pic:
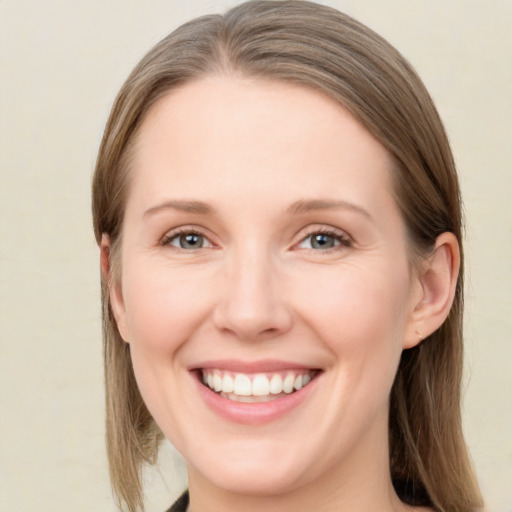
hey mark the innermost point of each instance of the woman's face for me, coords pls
(263, 252)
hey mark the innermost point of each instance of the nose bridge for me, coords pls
(252, 303)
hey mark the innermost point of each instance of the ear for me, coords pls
(113, 283)
(433, 297)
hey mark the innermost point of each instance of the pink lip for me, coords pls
(262, 366)
(254, 413)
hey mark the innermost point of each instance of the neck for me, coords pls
(327, 498)
(359, 483)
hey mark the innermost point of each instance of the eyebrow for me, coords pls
(296, 208)
(184, 206)
(305, 206)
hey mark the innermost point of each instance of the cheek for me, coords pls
(361, 320)
(164, 306)
(360, 315)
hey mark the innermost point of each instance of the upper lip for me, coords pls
(260, 366)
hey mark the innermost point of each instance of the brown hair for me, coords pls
(320, 48)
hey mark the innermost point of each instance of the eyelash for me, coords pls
(339, 236)
(168, 238)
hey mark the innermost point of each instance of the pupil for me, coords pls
(191, 241)
(322, 241)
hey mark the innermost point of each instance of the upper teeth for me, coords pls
(260, 384)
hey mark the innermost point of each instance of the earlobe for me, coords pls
(437, 284)
(113, 283)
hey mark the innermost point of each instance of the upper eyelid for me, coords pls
(322, 229)
(175, 232)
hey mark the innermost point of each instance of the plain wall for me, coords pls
(61, 64)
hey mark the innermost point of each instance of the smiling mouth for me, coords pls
(257, 387)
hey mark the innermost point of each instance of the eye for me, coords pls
(324, 240)
(187, 240)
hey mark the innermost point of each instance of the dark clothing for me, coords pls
(181, 504)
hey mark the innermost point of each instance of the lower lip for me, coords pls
(254, 413)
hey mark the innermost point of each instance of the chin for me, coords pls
(256, 480)
(255, 467)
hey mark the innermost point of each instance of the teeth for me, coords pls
(228, 384)
(242, 387)
(217, 382)
(260, 386)
(276, 384)
(248, 399)
(288, 383)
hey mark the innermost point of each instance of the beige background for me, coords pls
(61, 63)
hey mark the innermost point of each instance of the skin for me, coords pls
(251, 150)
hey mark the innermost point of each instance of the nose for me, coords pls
(252, 303)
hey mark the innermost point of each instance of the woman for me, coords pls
(280, 229)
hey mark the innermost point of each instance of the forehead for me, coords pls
(223, 137)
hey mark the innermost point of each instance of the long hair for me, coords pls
(320, 48)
